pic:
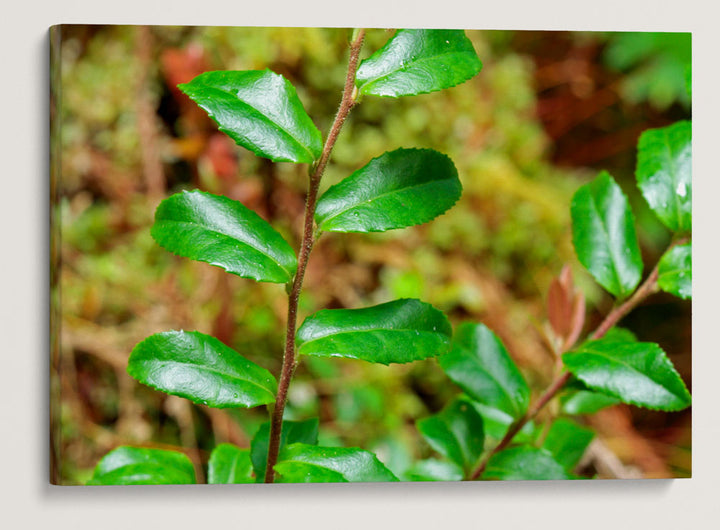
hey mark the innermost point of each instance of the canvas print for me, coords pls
(301, 255)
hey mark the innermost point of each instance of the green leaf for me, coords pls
(202, 369)
(577, 398)
(224, 233)
(567, 442)
(395, 332)
(664, 174)
(497, 422)
(638, 373)
(230, 465)
(418, 61)
(135, 465)
(653, 66)
(400, 188)
(604, 235)
(524, 463)
(480, 365)
(675, 271)
(304, 473)
(292, 432)
(456, 433)
(331, 464)
(434, 470)
(260, 110)
(576, 402)
(619, 334)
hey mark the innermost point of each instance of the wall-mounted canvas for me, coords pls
(308, 255)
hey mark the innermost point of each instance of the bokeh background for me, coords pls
(545, 114)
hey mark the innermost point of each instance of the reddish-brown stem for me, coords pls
(515, 428)
(308, 240)
(648, 287)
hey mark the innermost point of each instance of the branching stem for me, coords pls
(648, 287)
(308, 240)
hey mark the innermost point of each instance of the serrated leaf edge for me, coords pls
(622, 292)
(133, 373)
(290, 272)
(252, 147)
(455, 179)
(645, 156)
(362, 90)
(517, 412)
(674, 272)
(666, 362)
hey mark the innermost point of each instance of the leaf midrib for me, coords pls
(618, 282)
(267, 118)
(516, 411)
(615, 360)
(673, 170)
(334, 334)
(385, 194)
(464, 446)
(201, 368)
(313, 464)
(676, 272)
(272, 258)
(455, 440)
(233, 465)
(413, 64)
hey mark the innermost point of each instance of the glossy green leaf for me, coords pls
(567, 442)
(524, 463)
(329, 464)
(434, 470)
(480, 365)
(418, 61)
(497, 422)
(618, 334)
(456, 433)
(576, 402)
(202, 369)
(664, 173)
(230, 465)
(222, 232)
(304, 473)
(400, 188)
(577, 398)
(305, 432)
(135, 465)
(260, 110)
(638, 373)
(675, 271)
(604, 235)
(395, 332)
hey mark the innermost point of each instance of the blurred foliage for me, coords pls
(656, 65)
(490, 258)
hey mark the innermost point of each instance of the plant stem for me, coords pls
(515, 427)
(648, 287)
(308, 240)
